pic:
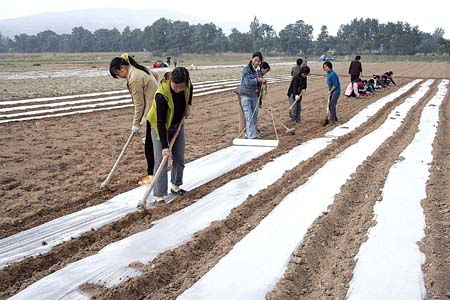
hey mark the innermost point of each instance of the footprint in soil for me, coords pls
(6, 180)
(11, 186)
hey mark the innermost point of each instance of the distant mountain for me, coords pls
(92, 19)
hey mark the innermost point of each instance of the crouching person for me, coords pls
(172, 103)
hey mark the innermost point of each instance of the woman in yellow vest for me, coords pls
(142, 85)
(172, 103)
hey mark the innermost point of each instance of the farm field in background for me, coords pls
(53, 167)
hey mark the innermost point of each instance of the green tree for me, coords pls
(240, 42)
(4, 44)
(48, 41)
(207, 38)
(179, 38)
(155, 37)
(323, 41)
(106, 40)
(296, 38)
(81, 40)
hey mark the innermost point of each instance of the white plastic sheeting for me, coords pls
(111, 265)
(258, 261)
(74, 108)
(30, 242)
(103, 72)
(389, 263)
(62, 103)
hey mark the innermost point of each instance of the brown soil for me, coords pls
(174, 271)
(436, 244)
(54, 167)
(322, 267)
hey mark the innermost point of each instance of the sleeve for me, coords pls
(137, 94)
(191, 93)
(155, 75)
(355, 89)
(306, 83)
(360, 67)
(161, 114)
(249, 78)
(350, 68)
(295, 85)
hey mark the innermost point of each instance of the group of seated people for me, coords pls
(359, 87)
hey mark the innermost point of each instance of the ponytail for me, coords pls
(124, 60)
(138, 66)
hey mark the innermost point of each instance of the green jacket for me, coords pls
(164, 90)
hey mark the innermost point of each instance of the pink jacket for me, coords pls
(350, 88)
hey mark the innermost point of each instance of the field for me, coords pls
(53, 167)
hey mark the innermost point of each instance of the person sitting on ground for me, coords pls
(142, 84)
(172, 103)
(379, 83)
(352, 90)
(384, 79)
(389, 78)
(249, 91)
(296, 91)
(355, 69)
(369, 86)
(361, 87)
(296, 69)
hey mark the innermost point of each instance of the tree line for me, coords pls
(364, 36)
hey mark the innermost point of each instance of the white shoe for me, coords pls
(159, 199)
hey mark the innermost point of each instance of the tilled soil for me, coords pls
(174, 271)
(46, 87)
(322, 267)
(54, 167)
(436, 244)
(67, 191)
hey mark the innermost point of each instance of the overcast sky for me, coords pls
(427, 14)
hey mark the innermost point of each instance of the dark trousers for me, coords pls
(149, 155)
(332, 101)
(353, 77)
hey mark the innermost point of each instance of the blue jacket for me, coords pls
(333, 80)
(249, 82)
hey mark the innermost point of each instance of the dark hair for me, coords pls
(304, 70)
(265, 65)
(299, 61)
(371, 81)
(357, 80)
(257, 53)
(390, 73)
(328, 64)
(117, 62)
(180, 75)
(357, 57)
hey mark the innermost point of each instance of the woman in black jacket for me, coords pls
(296, 90)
